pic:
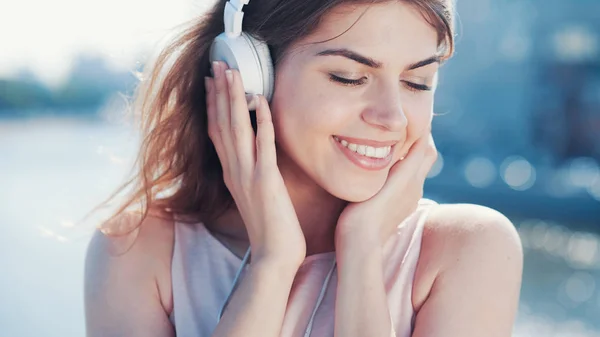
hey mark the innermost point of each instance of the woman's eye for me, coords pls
(416, 87)
(347, 81)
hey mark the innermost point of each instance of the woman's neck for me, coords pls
(318, 212)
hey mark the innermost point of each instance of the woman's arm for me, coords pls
(258, 306)
(476, 291)
(251, 174)
(361, 301)
(127, 284)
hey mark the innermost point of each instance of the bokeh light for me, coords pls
(594, 189)
(480, 172)
(575, 43)
(518, 173)
(583, 172)
(580, 287)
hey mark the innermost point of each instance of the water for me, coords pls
(53, 171)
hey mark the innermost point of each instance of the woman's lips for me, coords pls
(364, 162)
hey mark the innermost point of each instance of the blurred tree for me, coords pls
(90, 83)
(24, 94)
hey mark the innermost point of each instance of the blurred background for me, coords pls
(518, 130)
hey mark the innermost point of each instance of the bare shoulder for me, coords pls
(128, 235)
(127, 276)
(459, 230)
(472, 255)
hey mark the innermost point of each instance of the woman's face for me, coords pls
(366, 87)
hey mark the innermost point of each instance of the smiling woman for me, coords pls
(289, 202)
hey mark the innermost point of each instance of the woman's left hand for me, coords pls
(373, 220)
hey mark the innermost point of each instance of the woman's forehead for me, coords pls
(385, 31)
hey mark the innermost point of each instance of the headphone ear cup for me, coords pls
(265, 63)
(250, 57)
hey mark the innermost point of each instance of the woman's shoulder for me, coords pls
(464, 236)
(465, 225)
(466, 221)
(134, 251)
(131, 232)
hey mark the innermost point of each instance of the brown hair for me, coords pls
(177, 170)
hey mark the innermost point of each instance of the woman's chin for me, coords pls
(355, 192)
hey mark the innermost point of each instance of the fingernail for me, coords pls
(229, 76)
(250, 101)
(256, 102)
(215, 66)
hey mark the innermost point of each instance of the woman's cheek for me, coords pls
(421, 112)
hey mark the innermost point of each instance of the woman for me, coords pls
(324, 183)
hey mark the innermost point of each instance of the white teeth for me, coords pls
(368, 151)
(362, 149)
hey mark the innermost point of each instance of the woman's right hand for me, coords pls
(250, 169)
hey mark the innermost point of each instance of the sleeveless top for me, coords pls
(203, 271)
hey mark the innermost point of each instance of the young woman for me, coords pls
(303, 216)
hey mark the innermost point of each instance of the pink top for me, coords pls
(203, 271)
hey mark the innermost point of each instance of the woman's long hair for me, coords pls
(177, 171)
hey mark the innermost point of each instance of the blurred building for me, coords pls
(525, 81)
(568, 51)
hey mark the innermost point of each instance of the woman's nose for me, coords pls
(386, 112)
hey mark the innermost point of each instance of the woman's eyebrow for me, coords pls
(352, 55)
(430, 60)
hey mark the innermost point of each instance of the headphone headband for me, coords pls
(233, 16)
(243, 52)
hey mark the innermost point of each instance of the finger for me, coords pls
(431, 156)
(265, 134)
(222, 113)
(242, 133)
(413, 160)
(251, 102)
(403, 172)
(211, 112)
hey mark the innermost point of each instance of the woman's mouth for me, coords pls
(375, 156)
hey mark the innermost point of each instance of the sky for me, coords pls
(43, 35)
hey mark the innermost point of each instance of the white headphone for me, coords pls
(241, 51)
